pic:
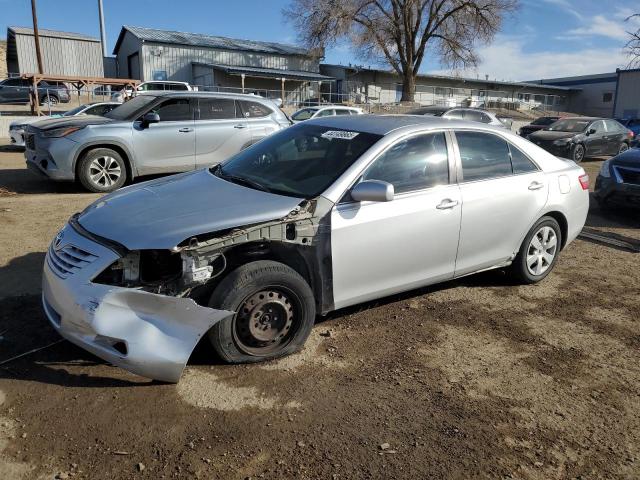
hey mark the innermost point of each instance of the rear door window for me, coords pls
(520, 162)
(413, 164)
(217, 108)
(484, 156)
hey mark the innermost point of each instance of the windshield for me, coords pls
(569, 125)
(301, 161)
(544, 121)
(304, 114)
(74, 111)
(132, 109)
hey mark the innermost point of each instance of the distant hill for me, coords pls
(3, 59)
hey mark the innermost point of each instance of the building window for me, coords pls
(607, 97)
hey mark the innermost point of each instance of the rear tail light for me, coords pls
(630, 134)
(584, 181)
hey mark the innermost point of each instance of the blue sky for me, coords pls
(545, 38)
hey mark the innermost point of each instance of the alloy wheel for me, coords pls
(542, 250)
(578, 154)
(104, 171)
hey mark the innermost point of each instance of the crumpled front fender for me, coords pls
(145, 333)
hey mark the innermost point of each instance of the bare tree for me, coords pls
(399, 32)
(633, 45)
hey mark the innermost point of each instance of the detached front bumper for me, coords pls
(147, 334)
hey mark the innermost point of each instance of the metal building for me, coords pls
(63, 53)
(218, 63)
(627, 100)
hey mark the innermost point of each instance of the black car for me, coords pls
(580, 137)
(16, 91)
(619, 180)
(539, 123)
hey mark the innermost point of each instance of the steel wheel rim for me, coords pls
(104, 171)
(266, 321)
(579, 152)
(542, 251)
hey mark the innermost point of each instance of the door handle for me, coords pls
(240, 126)
(536, 186)
(446, 204)
(186, 129)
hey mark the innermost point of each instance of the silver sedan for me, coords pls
(323, 215)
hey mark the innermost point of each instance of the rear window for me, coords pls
(254, 109)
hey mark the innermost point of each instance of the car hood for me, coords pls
(79, 121)
(29, 121)
(162, 213)
(549, 135)
(535, 128)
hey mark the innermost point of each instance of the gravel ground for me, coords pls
(475, 378)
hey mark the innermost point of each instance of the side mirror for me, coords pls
(591, 131)
(372, 191)
(150, 118)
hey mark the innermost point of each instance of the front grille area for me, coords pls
(30, 141)
(68, 260)
(629, 175)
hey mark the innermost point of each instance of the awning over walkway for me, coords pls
(259, 72)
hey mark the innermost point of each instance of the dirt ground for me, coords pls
(476, 378)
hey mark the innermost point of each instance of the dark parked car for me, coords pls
(580, 137)
(16, 90)
(632, 124)
(619, 180)
(539, 123)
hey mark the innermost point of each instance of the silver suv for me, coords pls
(150, 134)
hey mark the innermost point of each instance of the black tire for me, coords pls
(52, 100)
(624, 146)
(519, 268)
(113, 177)
(577, 154)
(262, 328)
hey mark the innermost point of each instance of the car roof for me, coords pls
(384, 124)
(190, 94)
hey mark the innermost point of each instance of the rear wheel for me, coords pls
(623, 147)
(50, 100)
(539, 251)
(578, 153)
(274, 313)
(102, 170)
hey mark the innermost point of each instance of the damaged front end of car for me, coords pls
(145, 310)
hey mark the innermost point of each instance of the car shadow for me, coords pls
(611, 217)
(23, 181)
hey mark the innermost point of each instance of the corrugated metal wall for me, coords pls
(176, 61)
(60, 56)
(628, 99)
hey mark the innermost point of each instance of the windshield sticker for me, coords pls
(341, 134)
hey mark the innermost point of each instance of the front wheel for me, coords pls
(578, 153)
(274, 313)
(539, 251)
(49, 101)
(102, 170)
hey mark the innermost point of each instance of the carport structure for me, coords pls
(78, 82)
(264, 79)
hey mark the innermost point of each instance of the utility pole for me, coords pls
(36, 35)
(103, 35)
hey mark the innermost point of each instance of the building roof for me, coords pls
(463, 79)
(268, 72)
(210, 41)
(51, 33)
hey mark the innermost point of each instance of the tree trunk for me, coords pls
(408, 87)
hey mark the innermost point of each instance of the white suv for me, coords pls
(153, 86)
(324, 111)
